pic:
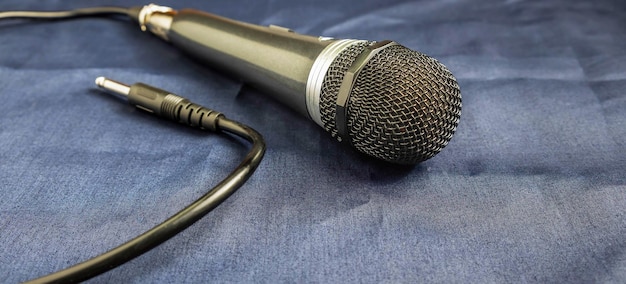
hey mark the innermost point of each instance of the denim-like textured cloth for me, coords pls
(532, 188)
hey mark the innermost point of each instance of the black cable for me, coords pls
(179, 109)
(84, 12)
(175, 224)
(173, 107)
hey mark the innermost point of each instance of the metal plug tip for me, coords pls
(100, 81)
(113, 86)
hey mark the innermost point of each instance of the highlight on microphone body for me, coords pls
(384, 99)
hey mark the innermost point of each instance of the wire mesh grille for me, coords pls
(404, 106)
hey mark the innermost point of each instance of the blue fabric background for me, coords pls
(532, 188)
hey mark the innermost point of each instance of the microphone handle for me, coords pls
(272, 59)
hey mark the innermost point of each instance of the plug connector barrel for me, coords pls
(113, 86)
(163, 103)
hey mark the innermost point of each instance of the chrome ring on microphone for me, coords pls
(318, 73)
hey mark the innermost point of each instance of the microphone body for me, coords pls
(382, 98)
(272, 59)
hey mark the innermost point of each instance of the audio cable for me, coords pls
(176, 108)
(170, 106)
(179, 109)
(133, 13)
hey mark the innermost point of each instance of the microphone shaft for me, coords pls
(273, 59)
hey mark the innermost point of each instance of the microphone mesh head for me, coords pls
(404, 106)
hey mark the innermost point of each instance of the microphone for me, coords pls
(384, 99)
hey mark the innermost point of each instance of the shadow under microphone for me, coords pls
(384, 99)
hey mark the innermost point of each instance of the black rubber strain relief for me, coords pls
(197, 115)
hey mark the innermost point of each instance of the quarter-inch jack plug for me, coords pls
(163, 103)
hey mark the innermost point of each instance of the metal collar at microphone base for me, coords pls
(318, 74)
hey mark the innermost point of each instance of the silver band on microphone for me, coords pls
(318, 73)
